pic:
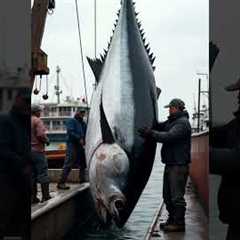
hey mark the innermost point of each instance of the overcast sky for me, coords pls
(176, 30)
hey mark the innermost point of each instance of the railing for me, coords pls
(57, 114)
(58, 128)
(200, 165)
(67, 113)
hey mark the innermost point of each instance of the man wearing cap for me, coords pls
(39, 161)
(15, 168)
(76, 132)
(225, 161)
(175, 136)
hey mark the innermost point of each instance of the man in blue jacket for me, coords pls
(76, 132)
(175, 135)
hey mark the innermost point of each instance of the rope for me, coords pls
(95, 28)
(40, 84)
(47, 84)
(81, 50)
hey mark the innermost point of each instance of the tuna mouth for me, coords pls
(102, 210)
(112, 211)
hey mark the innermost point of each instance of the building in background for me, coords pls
(203, 120)
(10, 82)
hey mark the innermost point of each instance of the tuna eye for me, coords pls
(119, 204)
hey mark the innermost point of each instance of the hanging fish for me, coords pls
(125, 99)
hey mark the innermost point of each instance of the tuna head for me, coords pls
(108, 174)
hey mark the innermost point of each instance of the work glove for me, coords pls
(82, 142)
(145, 132)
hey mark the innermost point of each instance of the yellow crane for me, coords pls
(40, 9)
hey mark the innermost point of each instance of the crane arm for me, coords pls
(39, 58)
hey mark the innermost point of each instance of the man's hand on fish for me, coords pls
(145, 132)
(82, 142)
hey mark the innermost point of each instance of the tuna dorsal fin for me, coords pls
(96, 66)
(142, 33)
(106, 130)
(158, 91)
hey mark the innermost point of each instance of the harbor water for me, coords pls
(142, 216)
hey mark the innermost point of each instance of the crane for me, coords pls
(40, 9)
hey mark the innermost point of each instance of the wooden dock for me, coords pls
(196, 221)
(53, 219)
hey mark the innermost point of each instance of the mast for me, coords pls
(57, 87)
(199, 102)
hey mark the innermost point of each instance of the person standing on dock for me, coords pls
(39, 161)
(175, 135)
(76, 132)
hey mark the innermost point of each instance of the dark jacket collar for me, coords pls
(178, 115)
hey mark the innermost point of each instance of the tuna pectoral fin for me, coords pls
(96, 66)
(158, 92)
(105, 128)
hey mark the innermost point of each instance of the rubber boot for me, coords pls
(174, 228)
(34, 198)
(170, 218)
(178, 224)
(61, 184)
(179, 215)
(164, 224)
(45, 192)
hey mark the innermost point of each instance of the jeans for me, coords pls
(174, 184)
(74, 155)
(39, 168)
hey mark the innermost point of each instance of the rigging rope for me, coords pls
(95, 28)
(81, 50)
(37, 88)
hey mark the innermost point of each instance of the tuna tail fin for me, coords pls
(96, 66)
(158, 92)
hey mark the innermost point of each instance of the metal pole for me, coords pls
(81, 51)
(199, 102)
(57, 86)
(210, 104)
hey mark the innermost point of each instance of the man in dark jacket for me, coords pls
(225, 161)
(175, 134)
(15, 172)
(76, 132)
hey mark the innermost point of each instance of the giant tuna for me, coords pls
(125, 99)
